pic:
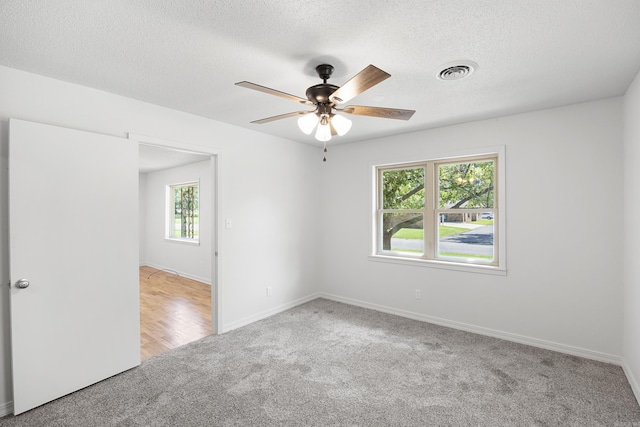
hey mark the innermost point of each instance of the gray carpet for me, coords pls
(331, 364)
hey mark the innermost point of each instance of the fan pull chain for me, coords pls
(324, 159)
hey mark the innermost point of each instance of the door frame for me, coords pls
(216, 294)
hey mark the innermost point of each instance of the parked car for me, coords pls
(486, 215)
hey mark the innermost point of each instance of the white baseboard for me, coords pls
(6, 408)
(534, 342)
(267, 313)
(180, 273)
(633, 381)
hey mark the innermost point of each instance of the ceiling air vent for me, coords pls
(456, 70)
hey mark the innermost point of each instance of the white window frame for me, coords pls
(431, 213)
(170, 214)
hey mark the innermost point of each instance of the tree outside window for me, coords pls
(184, 211)
(441, 210)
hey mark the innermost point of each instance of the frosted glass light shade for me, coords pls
(307, 123)
(324, 132)
(341, 124)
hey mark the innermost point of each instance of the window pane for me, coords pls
(403, 232)
(466, 185)
(185, 213)
(403, 189)
(467, 240)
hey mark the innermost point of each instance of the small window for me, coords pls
(183, 212)
(443, 211)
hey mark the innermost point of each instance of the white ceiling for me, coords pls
(153, 158)
(187, 54)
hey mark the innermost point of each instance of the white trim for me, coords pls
(172, 144)
(534, 342)
(6, 408)
(445, 265)
(190, 242)
(268, 313)
(633, 381)
(180, 273)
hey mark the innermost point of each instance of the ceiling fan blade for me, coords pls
(270, 91)
(385, 113)
(362, 81)
(282, 116)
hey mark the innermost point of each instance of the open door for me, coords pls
(73, 230)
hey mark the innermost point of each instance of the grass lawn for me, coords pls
(415, 233)
(453, 254)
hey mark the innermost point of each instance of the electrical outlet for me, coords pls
(268, 291)
(418, 294)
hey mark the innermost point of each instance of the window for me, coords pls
(444, 211)
(183, 216)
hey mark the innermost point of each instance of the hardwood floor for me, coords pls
(174, 311)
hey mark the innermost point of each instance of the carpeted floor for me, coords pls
(331, 364)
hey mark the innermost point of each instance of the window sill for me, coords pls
(189, 242)
(445, 265)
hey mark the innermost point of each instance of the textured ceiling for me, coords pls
(187, 54)
(153, 158)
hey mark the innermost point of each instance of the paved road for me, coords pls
(476, 241)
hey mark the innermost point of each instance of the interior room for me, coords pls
(294, 236)
(175, 271)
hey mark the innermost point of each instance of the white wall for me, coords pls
(192, 261)
(632, 235)
(263, 187)
(563, 287)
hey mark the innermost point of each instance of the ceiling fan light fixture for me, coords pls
(323, 133)
(341, 124)
(307, 123)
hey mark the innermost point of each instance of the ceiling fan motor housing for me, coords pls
(319, 94)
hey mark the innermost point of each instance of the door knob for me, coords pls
(22, 284)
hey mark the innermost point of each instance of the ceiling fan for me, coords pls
(326, 97)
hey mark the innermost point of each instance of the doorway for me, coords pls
(178, 286)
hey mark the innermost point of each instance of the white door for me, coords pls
(73, 231)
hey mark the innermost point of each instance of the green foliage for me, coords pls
(410, 233)
(445, 230)
(466, 185)
(418, 233)
(186, 209)
(403, 189)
